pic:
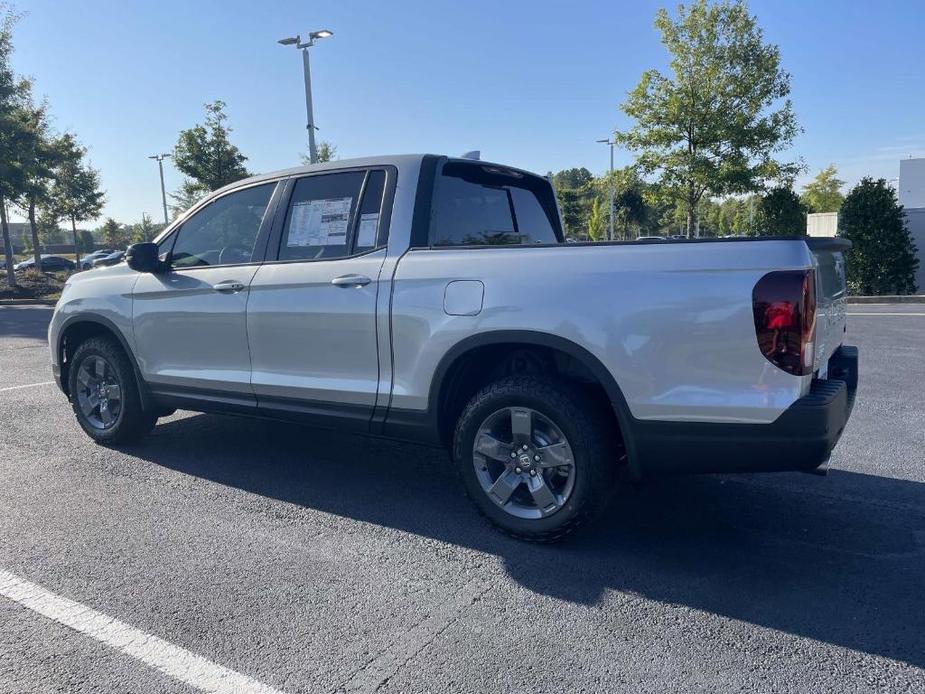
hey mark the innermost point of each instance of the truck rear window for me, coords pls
(486, 205)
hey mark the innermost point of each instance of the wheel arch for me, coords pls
(442, 382)
(78, 329)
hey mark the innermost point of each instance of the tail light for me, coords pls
(784, 304)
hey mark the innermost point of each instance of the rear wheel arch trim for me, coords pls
(539, 339)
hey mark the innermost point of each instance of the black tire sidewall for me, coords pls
(561, 404)
(129, 421)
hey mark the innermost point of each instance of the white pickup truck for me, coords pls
(431, 298)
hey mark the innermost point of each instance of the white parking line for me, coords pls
(884, 313)
(28, 385)
(161, 655)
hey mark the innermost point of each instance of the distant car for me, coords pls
(650, 238)
(86, 261)
(110, 259)
(50, 263)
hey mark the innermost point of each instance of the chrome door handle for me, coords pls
(350, 281)
(229, 286)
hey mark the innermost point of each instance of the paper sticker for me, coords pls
(366, 236)
(319, 222)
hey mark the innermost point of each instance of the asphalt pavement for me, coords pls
(227, 554)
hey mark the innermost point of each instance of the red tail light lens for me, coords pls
(784, 304)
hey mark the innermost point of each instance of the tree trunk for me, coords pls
(76, 247)
(7, 247)
(36, 245)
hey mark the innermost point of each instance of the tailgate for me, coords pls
(831, 295)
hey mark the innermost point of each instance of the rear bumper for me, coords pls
(802, 438)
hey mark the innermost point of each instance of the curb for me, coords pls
(894, 299)
(28, 302)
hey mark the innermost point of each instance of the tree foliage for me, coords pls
(782, 213)
(882, 259)
(206, 155)
(716, 122)
(823, 193)
(325, 151)
(113, 234)
(75, 194)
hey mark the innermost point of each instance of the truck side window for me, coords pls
(319, 221)
(482, 204)
(368, 227)
(223, 232)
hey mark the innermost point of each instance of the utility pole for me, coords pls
(160, 165)
(610, 142)
(306, 69)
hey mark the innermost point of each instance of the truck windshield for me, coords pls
(482, 204)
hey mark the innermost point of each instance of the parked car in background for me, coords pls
(651, 238)
(107, 260)
(86, 261)
(50, 263)
(435, 299)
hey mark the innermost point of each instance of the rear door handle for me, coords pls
(228, 286)
(350, 281)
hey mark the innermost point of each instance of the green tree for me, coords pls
(75, 194)
(15, 94)
(145, 230)
(597, 220)
(188, 194)
(574, 179)
(573, 211)
(882, 259)
(206, 155)
(782, 213)
(823, 193)
(85, 241)
(113, 234)
(325, 151)
(39, 156)
(715, 123)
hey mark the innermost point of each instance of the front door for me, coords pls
(190, 321)
(311, 316)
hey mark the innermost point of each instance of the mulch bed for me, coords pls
(33, 285)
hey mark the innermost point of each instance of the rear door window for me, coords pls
(476, 204)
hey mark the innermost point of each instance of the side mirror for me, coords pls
(142, 257)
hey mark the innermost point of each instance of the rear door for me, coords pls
(311, 316)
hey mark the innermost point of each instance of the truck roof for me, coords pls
(399, 160)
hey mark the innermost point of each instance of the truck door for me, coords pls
(311, 314)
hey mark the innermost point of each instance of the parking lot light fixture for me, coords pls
(297, 42)
(160, 165)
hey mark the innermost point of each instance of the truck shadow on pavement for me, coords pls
(837, 559)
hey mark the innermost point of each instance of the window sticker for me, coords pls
(319, 222)
(366, 235)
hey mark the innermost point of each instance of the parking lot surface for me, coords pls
(281, 558)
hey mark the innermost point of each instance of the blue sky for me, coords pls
(532, 84)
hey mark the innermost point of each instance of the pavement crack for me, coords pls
(376, 673)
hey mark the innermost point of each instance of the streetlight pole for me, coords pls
(610, 142)
(160, 165)
(306, 69)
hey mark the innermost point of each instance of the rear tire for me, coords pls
(508, 446)
(104, 393)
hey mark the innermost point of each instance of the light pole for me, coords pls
(610, 142)
(297, 42)
(160, 165)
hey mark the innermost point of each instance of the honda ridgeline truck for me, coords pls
(434, 299)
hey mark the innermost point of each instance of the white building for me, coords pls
(822, 224)
(911, 191)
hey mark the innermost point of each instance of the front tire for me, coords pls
(104, 393)
(536, 456)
